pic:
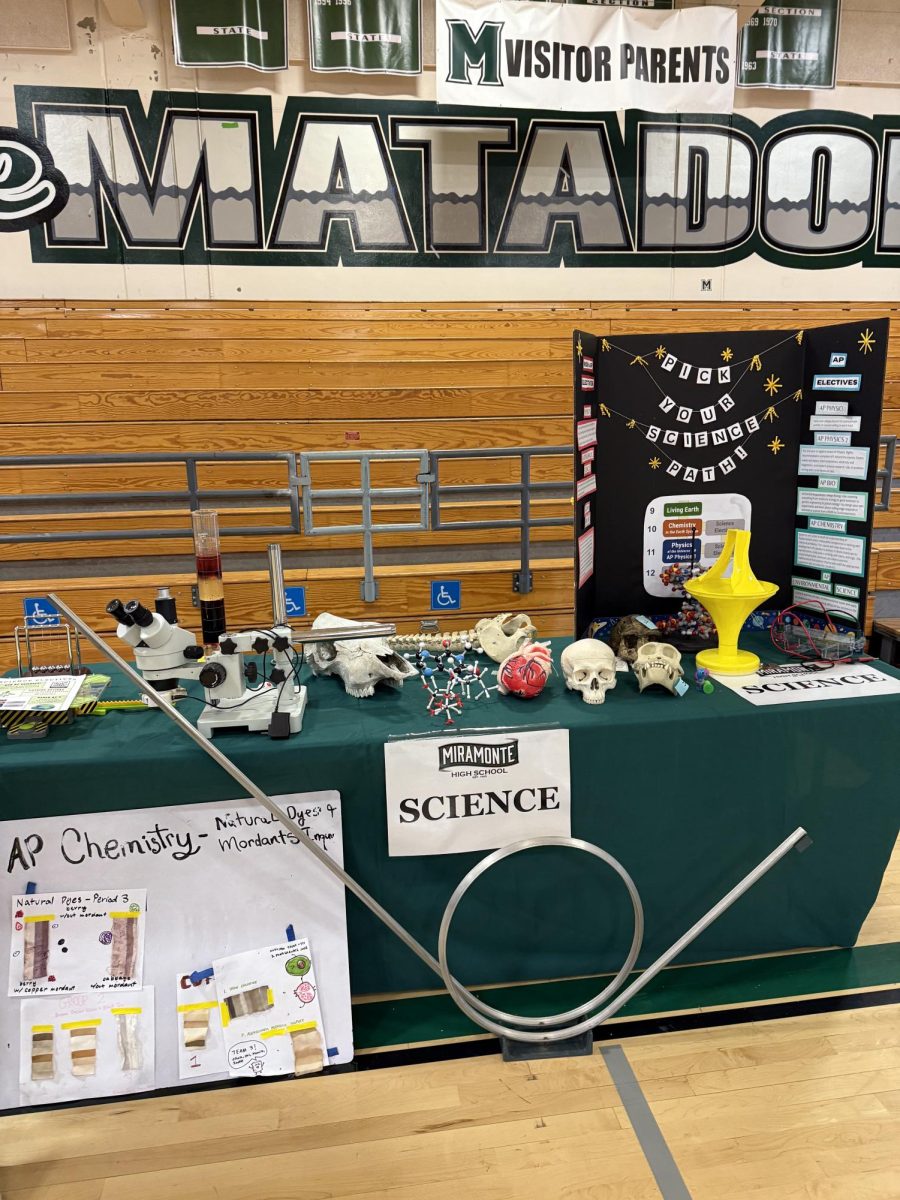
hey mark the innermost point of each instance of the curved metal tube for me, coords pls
(549, 1028)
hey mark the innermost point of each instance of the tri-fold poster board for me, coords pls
(154, 949)
(679, 437)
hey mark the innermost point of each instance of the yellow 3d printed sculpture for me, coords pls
(730, 601)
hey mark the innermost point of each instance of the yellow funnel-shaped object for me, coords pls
(730, 602)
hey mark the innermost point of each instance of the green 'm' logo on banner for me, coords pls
(479, 52)
(231, 33)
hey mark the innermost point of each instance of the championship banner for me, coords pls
(371, 37)
(231, 33)
(790, 45)
(581, 58)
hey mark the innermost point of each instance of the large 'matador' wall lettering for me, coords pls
(206, 178)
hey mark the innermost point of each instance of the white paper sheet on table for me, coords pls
(842, 682)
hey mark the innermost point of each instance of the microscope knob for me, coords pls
(227, 646)
(193, 652)
(212, 675)
(251, 672)
(260, 645)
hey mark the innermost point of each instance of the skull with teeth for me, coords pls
(590, 668)
(360, 663)
(658, 663)
(628, 635)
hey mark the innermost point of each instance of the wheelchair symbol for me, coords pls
(445, 593)
(36, 615)
(295, 601)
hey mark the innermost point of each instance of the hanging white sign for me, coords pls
(581, 58)
(446, 795)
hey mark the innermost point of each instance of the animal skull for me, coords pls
(658, 662)
(628, 635)
(503, 635)
(360, 663)
(590, 668)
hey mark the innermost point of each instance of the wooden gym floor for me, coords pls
(796, 1108)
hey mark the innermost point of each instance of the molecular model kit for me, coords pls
(450, 678)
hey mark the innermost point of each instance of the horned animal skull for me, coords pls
(503, 635)
(360, 663)
(660, 663)
(590, 668)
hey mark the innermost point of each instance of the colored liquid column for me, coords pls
(208, 560)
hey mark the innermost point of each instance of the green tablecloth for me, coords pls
(688, 794)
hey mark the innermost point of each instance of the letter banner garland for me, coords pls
(679, 439)
(584, 58)
(231, 33)
(373, 37)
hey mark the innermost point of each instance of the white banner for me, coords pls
(447, 795)
(842, 682)
(580, 58)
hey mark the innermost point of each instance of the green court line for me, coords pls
(383, 1023)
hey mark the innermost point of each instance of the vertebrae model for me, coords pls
(455, 643)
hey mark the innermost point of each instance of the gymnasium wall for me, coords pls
(176, 355)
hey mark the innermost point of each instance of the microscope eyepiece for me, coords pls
(116, 609)
(140, 616)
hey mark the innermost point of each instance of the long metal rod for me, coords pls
(249, 786)
(276, 580)
(464, 998)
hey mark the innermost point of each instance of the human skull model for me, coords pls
(360, 663)
(590, 668)
(503, 635)
(658, 662)
(628, 635)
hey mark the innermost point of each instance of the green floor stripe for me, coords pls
(430, 1018)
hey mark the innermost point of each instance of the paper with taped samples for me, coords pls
(269, 1009)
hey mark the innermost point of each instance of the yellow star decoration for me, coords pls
(660, 352)
(772, 385)
(655, 463)
(639, 359)
(604, 345)
(770, 414)
(578, 347)
(798, 395)
(755, 363)
(799, 336)
(727, 354)
(866, 341)
(776, 444)
(604, 411)
(630, 424)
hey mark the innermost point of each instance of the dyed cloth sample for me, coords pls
(124, 947)
(195, 1028)
(83, 1049)
(37, 949)
(307, 1051)
(127, 1038)
(254, 1001)
(42, 1054)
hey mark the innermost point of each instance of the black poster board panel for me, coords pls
(696, 433)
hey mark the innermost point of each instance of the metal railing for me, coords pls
(192, 494)
(302, 496)
(885, 483)
(523, 490)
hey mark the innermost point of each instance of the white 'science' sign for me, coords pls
(446, 795)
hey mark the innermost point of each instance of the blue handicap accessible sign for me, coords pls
(446, 593)
(295, 601)
(39, 612)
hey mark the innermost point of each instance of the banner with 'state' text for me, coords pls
(231, 33)
(583, 58)
(369, 37)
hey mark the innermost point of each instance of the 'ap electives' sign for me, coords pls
(580, 58)
(449, 794)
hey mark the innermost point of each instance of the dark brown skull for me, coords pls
(628, 635)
